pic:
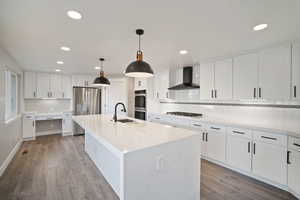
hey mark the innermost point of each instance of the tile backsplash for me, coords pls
(47, 105)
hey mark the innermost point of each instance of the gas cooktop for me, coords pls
(186, 114)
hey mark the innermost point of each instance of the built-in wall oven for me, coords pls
(140, 104)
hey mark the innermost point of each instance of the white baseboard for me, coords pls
(10, 157)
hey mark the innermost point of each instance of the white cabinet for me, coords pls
(140, 83)
(56, 90)
(67, 124)
(161, 85)
(294, 171)
(223, 79)
(28, 127)
(239, 154)
(207, 79)
(269, 161)
(275, 73)
(83, 80)
(296, 71)
(67, 87)
(245, 76)
(43, 85)
(30, 85)
(215, 143)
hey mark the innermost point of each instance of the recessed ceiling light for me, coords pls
(260, 27)
(60, 62)
(74, 14)
(97, 68)
(64, 48)
(182, 52)
(57, 70)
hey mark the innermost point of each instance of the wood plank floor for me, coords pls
(57, 168)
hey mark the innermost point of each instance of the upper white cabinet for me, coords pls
(207, 79)
(223, 79)
(82, 80)
(245, 76)
(296, 71)
(43, 85)
(140, 83)
(30, 85)
(275, 73)
(161, 85)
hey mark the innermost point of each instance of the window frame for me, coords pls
(9, 115)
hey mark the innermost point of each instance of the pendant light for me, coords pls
(139, 68)
(101, 80)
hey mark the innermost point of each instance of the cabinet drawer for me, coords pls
(270, 138)
(197, 125)
(294, 143)
(216, 128)
(245, 133)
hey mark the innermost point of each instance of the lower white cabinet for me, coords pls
(67, 124)
(239, 152)
(269, 161)
(294, 171)
(215, 147)
(28, 127)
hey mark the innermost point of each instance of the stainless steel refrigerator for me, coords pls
(86, 101)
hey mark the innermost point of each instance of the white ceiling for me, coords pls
(33, 31)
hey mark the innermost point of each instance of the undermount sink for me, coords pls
(125, 120)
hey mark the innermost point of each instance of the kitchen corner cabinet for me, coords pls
(296, 71)
(275, 73)
(245, 76)
(30, 85)
(223, 79)
(207, 79)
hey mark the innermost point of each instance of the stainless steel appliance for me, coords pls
(86, 101)
(140, 104)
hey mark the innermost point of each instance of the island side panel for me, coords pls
(167, 171)
(106, 161)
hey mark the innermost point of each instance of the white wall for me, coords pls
(10, 133)
(268, 117)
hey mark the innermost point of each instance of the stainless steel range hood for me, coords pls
(187, 80)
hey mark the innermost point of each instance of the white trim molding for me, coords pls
(10, 157)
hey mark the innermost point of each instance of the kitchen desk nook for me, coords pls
(144, 160)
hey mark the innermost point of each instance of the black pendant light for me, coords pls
(101, 80)
(139, 68)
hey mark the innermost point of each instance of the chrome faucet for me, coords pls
(123, 110)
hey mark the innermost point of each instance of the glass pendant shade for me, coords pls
(139, 68)
(101, 80)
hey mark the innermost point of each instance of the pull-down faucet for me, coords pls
(116, 108)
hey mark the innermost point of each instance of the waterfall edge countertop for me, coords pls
(127, 137)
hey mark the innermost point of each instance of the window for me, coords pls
(11, 95)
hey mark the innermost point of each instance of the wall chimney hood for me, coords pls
(187, 80)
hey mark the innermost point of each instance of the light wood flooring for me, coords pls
(57, 168)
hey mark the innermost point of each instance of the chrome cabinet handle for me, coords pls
(254, 148)
(297, 145)
(214, 128)
(288, 157)
(295, 91)
(206, 137)
(254, 94)
(197, 125)
(259, 92)
(238, 132)
(215, 93)
(269, 138)
(34, 94)
(212, 93)
(248, 147)
(203, 136)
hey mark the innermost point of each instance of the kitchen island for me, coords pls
(144, 160)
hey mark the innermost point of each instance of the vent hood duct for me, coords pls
(187, 80)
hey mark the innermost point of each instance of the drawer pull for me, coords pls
(203, 137)
(297, 145)
(197, 125)
(157, 118)
(214, 128)
(254, 149)
(288, 158)
(269, 138)
(238, 132)
(248, 147)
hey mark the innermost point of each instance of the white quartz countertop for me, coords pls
(127, 137)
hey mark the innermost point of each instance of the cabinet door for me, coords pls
(43, 85)
(206, 81)
(28, 127)
(239, 153)
(29, 85)
(275, 73)
(215, 142)
(245, 76)
(164, 85)
(296, 71)
(67, 87)
(223, 79)
(56, 90)
(269, 161)
(140, 84)
(67, 125)
(294, 171)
